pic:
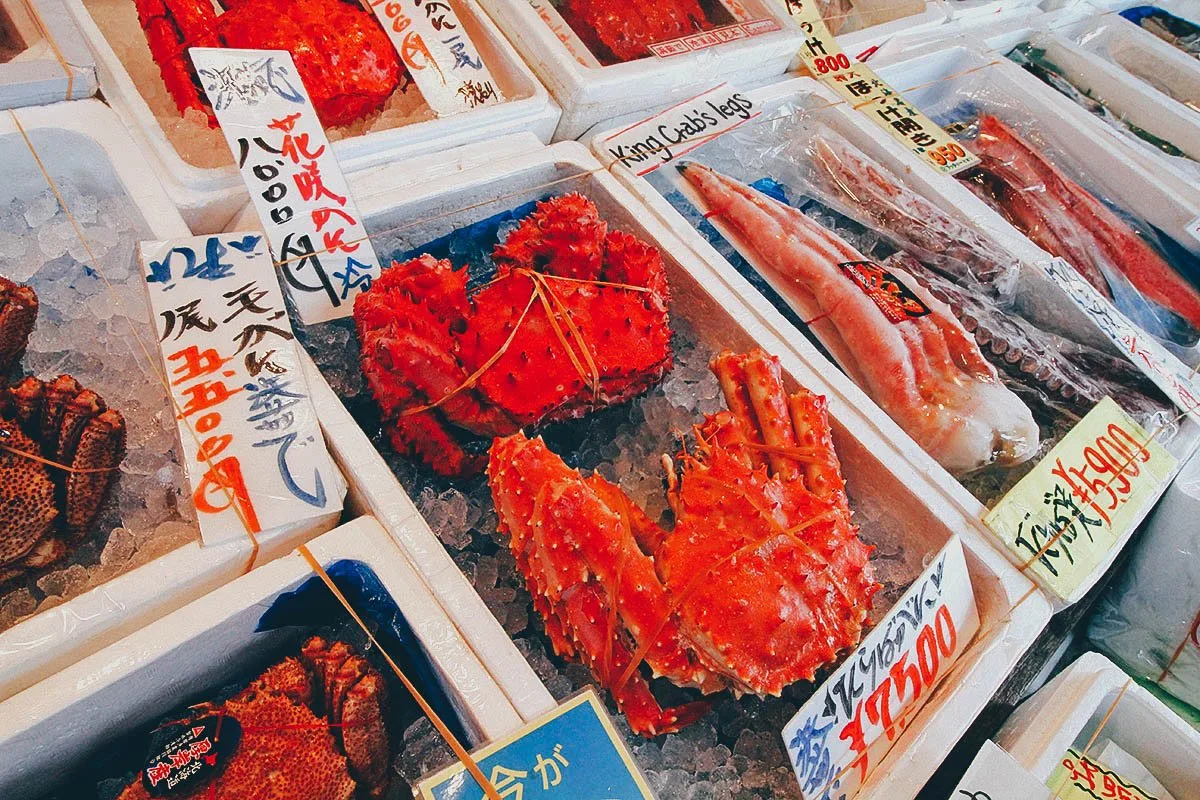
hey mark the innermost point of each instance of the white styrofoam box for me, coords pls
(873, 23)
(589, 94)
(50, 728)
(1053, 308)
(1000, 31)
(55, 63)
(1067, 712)
(1149, 619)
(84, 141)
(209, 197)
(1012, 612)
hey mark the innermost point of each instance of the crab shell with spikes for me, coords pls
(762, 581)
(313, 728)
(575, 320)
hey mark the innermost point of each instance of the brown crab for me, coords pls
(60, 446)
(312, 728)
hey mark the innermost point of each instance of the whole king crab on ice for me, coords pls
(575, 320)
(345, 59)
(311, 728)
(762, 581)
(60, 447)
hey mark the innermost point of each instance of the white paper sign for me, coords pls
(1168, 373)
(995, 775)
(439, 55)
(670, 134)
(252, 446)
(848, 726)
(302, 198)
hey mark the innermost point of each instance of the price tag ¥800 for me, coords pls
(439, 55)
(1083, 498)
(572, 753)
(848, 726)
(252, 447)
(858, 85)
(298, 189)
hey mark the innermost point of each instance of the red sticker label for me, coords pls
(897, 302)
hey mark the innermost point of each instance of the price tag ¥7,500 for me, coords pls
(252, 447)
(1065, 516)
(572, 753)
(848, 726)
(298, 189)
(858, 85)
(439, 55)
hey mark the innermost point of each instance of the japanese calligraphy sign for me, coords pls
(1166, 371)
(302, 198)
(572, 753)
(848, 726)
(859, 86)
(440, 56)
(252, 446)
(1082, 498)
(680, 129)
(1080, 778)
(995, 775)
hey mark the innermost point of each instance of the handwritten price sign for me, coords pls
(848, 726)
(253, 448)
(1080, 778)
(995, 775)
(1083, 498)
(858, 85)
(297, 187)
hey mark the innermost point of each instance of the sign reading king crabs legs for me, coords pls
(844, 730)
(252, 447)
(302, 198)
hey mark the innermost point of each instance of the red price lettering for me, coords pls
(947, 154)
(826, 64)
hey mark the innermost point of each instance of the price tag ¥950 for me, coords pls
(298, 189)
(1082, 499)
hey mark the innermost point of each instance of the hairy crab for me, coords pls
(762, 581)
(576, 319)
(60, 446)
(312, 728)
(345, 59)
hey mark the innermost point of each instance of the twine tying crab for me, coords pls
(441, 363)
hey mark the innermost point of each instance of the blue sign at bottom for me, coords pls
(572, 752)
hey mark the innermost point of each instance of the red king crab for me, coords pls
(762, 581)
(575, 320)
(59, 451)
(620, 30)
(312, 728)
(345, 59)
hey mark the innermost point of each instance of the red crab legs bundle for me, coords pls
(575, 320)
(901, 344)
(621, 30)
(345, 59)
(1062, 218)
(762, 581)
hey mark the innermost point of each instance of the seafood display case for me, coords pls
(464, 547)
(99, 532)
(43, 56)
(810, 176)
(384, 117)
(317, 709)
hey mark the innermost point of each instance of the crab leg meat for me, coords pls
(923, 369)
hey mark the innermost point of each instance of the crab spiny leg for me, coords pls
(27, 504)
(170, 27)
(59, 392)
(425, 437)
(101, 447)
(732, 376)
(18, 313)
(822, 475)
(26, 399)
(364, 732)
(764, 383)
(79, 412)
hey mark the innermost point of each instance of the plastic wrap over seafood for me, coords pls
(1173, 29)
(901, 344)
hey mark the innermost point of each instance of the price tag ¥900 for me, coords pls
(296, 184)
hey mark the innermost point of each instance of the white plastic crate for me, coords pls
(44, 56)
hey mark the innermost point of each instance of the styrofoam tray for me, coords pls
(47, 730)
(897, 17)
(1051, 303)
(56, 63)
(589, 94)
(1012, 613)
(1066, 713)
(89, 142)
(209, 197)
